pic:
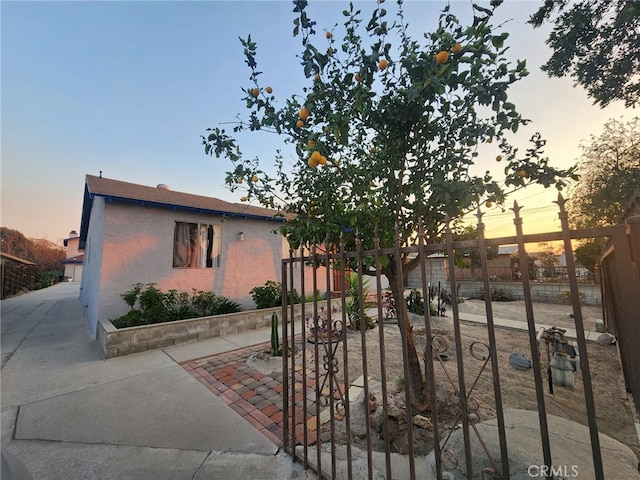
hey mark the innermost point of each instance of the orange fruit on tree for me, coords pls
(456, 48)
(254, 179)
(256, 92)
(522, 173)
(328, 35)
(243, 199)
(383, 63)
(489, 204)
(299, 124)
(357, 77)
(239, 180)
(322, 160)
(314, 159)
(499, 158)
(489, 139)
(442, 57)
(269, 90)
(316, 77)
(304, 113)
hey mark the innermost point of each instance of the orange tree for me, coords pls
(385, 135)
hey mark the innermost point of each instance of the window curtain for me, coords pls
(185, 253)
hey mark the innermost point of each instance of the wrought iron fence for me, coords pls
(350, 408)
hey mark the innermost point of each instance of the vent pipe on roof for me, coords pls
(163, 186)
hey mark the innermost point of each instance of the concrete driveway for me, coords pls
(69, 414)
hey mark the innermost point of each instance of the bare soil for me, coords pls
(612, 405)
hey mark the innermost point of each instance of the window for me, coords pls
(196, 245)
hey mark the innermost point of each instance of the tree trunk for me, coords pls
(418, 387)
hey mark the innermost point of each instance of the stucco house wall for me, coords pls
(74, 260)
(91, 268)
(128, 242)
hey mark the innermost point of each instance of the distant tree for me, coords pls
(589, 253)
(547, 259)
(609, 169)
(470, 257)
(45, 254)
(12, 242)
(597, 42)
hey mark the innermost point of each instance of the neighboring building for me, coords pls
(73, 262)
(137, 234)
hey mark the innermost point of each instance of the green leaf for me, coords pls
(497, 42)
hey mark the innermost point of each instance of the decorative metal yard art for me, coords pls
(328, 333)
(318, 381)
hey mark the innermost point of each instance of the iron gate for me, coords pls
(332, 394)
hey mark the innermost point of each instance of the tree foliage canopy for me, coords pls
(609, 169)
(387, 129)
(597, 42)
(44, 253)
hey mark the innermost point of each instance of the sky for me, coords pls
(128, 88)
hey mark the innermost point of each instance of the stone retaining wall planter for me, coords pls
(540, 292)
(116, 342)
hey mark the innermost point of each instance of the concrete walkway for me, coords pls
(68, 414)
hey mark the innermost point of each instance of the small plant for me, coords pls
(400, 383)
(276, 351)
(353, 304)
(564, 297)
(499, 295)
(415, 304)
(267, 296)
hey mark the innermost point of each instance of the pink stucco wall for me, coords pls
(131, 243)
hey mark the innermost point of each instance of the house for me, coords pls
(138, 234)
(73, 262)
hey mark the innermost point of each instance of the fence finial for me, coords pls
(421, 233)
(447, 221)
(561, 202)
(516, 209)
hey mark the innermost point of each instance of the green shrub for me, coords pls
(353, 304)
(499, 295)
(270, 295)
(415, 304)
(564, 297)
(130, 319)
(154, 306)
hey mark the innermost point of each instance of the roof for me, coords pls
(118, 191)
(78, 259)
(507, 249)
(16, 259)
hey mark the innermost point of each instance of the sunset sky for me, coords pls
(127, 88)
